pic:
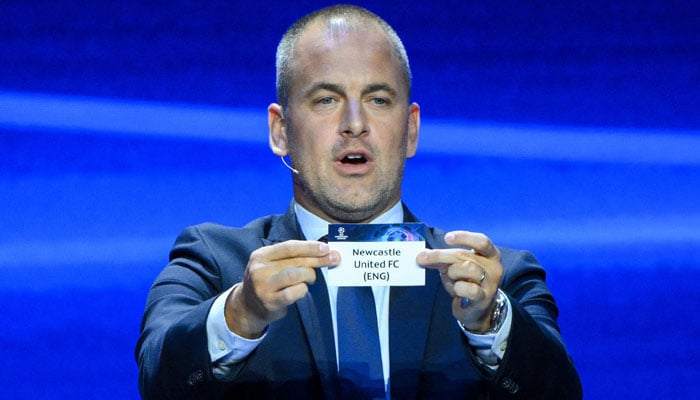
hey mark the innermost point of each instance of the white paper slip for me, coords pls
(377, 254)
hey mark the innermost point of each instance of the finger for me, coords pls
(448, 284)
(330, 259)
(292, 276)
(291, 294)
(480, 243)
(438, 259)
(469, 271)
(469, 290)
(294, 254)
(292, 249)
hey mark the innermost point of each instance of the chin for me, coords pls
(358, 210)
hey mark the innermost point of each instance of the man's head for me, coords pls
(343, 114)
(357, 18)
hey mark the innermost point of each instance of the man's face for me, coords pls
(348, 124)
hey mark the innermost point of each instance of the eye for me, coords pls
(325, 101)
(380, 101)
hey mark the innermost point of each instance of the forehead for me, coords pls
(346, 54)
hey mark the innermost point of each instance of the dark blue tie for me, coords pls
(359, 356)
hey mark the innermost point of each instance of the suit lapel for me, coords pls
(314, 309)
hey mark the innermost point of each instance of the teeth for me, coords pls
(354, 158)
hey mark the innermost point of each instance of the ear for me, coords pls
(413, 129)
(278, 133)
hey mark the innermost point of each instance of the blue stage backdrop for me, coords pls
(571, 129)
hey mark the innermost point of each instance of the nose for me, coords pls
(354, 122)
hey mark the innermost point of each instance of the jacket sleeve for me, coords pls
(536, 363)
(172, 351)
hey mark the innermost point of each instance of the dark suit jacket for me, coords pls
(430, 357)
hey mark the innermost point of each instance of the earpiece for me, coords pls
(289, 166)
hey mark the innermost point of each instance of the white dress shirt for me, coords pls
(227, 349)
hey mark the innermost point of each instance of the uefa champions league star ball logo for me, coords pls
(341, 234)
(396, 234)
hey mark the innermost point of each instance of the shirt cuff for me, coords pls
(225, 347)
(491, 347)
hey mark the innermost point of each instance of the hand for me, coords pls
(276, 277)
(470, 274)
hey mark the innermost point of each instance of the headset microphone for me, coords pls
(289, 166)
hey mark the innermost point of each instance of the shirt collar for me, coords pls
(313, 226)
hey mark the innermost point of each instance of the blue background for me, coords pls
(571, 129)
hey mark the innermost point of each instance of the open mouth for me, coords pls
(354, 162)
(354, 158)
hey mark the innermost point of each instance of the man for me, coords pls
(247, 313)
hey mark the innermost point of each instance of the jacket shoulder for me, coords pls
(219, 247)
(217, 234)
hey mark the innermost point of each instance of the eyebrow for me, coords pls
(332, 87)
(379, 87)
